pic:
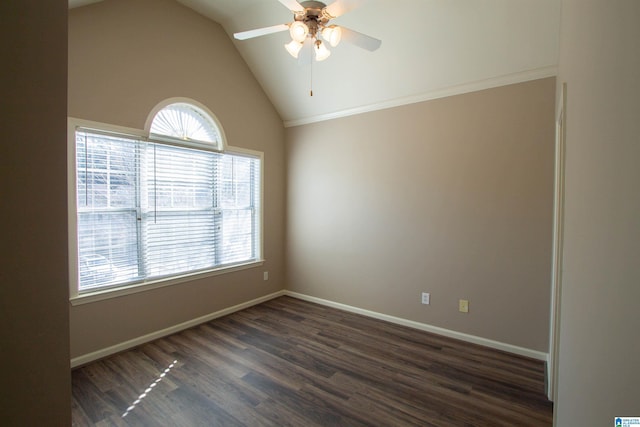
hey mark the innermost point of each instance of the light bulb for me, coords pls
(322, 52)
(293, 47)
(332, 35)
(298, 31)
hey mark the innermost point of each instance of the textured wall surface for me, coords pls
(34, 314)
(599, 346)
(124, 58)
(452, 196)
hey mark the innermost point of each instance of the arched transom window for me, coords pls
(187, 122)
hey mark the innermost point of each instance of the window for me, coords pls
(163, 206)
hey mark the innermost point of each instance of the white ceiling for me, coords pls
(430, 48)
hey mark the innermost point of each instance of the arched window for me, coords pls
(162, 204)
(187, 122)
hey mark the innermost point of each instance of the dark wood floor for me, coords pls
(288, 362)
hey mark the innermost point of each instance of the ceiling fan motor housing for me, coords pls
(314, 15)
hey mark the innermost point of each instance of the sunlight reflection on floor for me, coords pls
(148, 390)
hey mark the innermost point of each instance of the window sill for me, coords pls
(99, 295)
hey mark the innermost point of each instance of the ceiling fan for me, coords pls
(311, 27)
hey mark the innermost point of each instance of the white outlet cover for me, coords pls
(425, 298)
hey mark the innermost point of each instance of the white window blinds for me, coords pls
(148, 210)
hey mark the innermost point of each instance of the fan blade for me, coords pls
(361, 40)
(243, 35)
(292, 5)
(340, 7)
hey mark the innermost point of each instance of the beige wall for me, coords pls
(599, 347)
(452, 197)
(124, 58)
(35, 383)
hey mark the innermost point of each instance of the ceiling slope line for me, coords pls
(520, 77)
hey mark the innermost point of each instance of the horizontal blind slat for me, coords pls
(148, 210)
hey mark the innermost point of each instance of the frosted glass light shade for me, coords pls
(293, 47)
(321, 50)
(298, 31)
(332, 35)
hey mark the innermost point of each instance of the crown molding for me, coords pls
(521, 77)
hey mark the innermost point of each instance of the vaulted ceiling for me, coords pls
(430, 49)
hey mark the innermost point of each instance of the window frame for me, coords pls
(73, 124)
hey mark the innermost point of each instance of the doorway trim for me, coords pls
(558, 242)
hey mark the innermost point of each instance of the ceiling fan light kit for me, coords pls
(321, 51)
(332, 34)
(294, 48)
(311, 22)
(298, 31)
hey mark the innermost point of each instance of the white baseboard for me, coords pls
(108, 351)
(96, 355)
(522, 351)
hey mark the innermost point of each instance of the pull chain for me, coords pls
(311, 79)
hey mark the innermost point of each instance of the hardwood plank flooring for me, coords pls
(289, 362)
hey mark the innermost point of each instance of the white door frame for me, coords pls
(558, 240)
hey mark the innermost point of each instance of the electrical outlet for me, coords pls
(265, 275)
(463, 306)
(425, 298)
